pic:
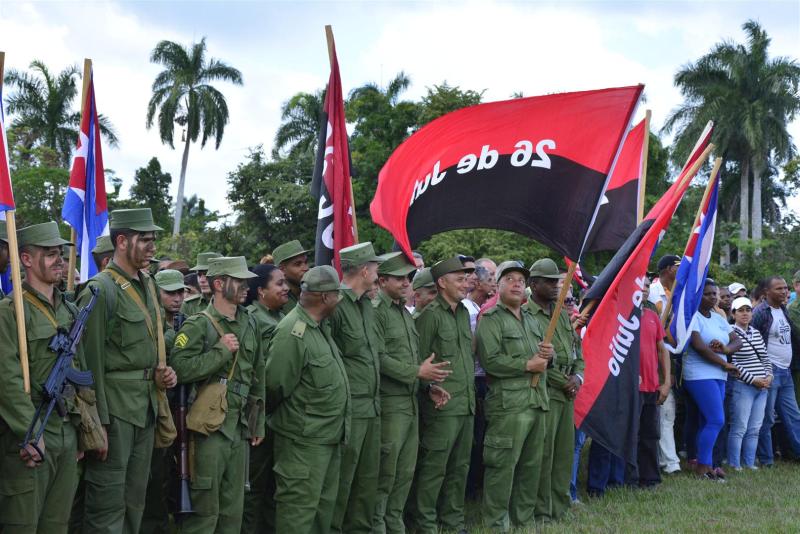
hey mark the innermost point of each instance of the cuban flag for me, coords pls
(692, 272)
(6, 193)
(85, 206)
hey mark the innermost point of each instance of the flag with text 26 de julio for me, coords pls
(537, 166)
(85, 205)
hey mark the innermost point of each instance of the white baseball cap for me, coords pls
(736, 287)
(739, 302)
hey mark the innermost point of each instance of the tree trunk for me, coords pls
(725, 256)
(756, 220)
(744, 208)
(176, 228)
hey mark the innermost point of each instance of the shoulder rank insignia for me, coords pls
(181, 340)
(299, 329)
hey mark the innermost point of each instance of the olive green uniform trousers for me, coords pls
(306, 481)
(399, 446)
(218, 466)
(512, 455)
(361, 457)
(259, 502)
(554, 499)
(38, 499)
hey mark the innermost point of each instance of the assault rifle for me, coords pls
(183, 500)
(63, 377)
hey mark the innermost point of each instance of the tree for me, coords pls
(751, 98)
(183, 93)
(300, 126)
(151, 189)
(42, 109)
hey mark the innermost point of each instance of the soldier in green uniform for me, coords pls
(156, 512)
(401, 371)
(197, 303)
(308, 398)
(266, 295)
(446, 434)
(103, 252)
(353, 330)
(292, 259)
(121, 347)
(222, 343)
(510, 348)
(36, 495)
(564, 378)
(424, 290)
(4, 257)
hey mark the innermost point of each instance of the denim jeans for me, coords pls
(580, 439)
(747, 415)
(780, 398)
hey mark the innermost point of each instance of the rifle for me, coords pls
(63, 377)
(183, 497)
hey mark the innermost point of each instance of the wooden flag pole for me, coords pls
(706, 194)
(16, 279)
(551, 328)
(331, 52)
(643, 172)
(73, 233)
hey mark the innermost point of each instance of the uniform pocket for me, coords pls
(321, 372)
(497, 450)
(133, 329)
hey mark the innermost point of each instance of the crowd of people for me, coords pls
(378, 401)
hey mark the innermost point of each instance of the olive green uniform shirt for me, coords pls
(794, 311)
(446, 333)
(398, 351)
(266, 320)
(290, 304)
(119, 349)
(194, 305)
(568, 358)
(308, 394)
(17, 408)
(504, 346)
(353, 329)
(199, 356)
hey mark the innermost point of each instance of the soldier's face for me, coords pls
(454, 285)
(140, 249)
(276, 294)
(395, 287)
(44, 264)
(472, 278)
(202, 281)
(423, 296)
(172, 300)
(295, 268)
(545, 289)
(512, 288)
(3, 257)
(233, 290)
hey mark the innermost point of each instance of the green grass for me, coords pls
(758, 501)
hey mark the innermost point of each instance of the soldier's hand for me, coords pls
(166, 378)
(230, 342)
(256, 441)
(439, 396)
(536, 364)
(580, 321)
(433, 372)
(572, 386)
(546, 351)
(102, 452)
(29, 456)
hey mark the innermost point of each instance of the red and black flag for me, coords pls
(330, 184)
(537, 166)
(605, 407)
(616, 218)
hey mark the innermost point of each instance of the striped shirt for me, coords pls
(751, 359)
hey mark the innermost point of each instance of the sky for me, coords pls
(500, 47)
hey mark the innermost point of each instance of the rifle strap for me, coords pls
(221, 333)
(36, 303)
(162, 346)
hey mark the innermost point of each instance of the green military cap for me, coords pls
(510, 266)
(233, 266)
(396, 264)
(423, 278)
(203, 260)
(138, 219)
(170, 280)
(3, 232)
(545, 268)
(383, 257)
(450, 265)
(321, 278)
(358, 254)
(288, 251)
(103, 245)
(41, 235)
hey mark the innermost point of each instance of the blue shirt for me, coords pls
(695, 367)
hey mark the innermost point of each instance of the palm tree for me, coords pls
(299, 128)
(751, 98)
(183, 94)
(42, 110)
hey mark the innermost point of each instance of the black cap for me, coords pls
(668, 261)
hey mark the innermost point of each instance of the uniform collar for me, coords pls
(217, 315)
(535, 308)
(303, 315)
(388, 300)
(56, 295)
(260, 307)
(121, 271)
(446, 305)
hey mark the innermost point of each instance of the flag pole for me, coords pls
(331, 52)
(643, 171)
(706, 194)
(73, 233)
(16, 278)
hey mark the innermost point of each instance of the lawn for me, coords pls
(767, 500)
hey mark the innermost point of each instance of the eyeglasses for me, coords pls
(569, 301)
